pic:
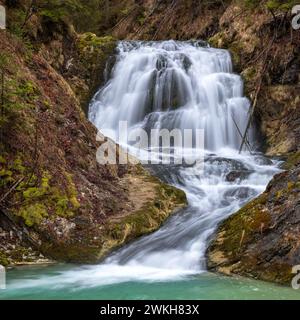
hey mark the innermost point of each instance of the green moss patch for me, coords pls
(98, 241)
(240, 228)
(292, 161)
(37, 196)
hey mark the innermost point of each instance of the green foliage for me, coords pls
(17, 96)
(141, 18)
(292, 161)
(93, 49)
(3, 259)
(16, 18)
(27, 91)
(124, 12)
(280, 5)
(16, 92)
(9, 170)
(72, 192)
(98, 16)
(21, 13)
(4, 60)
(41, 198)
(90, 39)
(56, 10)
(33, 213)
(2, 160)
(273, 5)
(37, 192)
(251, 4)
(37, 196)
(74, 11)
(6, 177)
(95, 16)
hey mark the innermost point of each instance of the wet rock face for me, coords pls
(12, 249)
(262, 239)
(234, 168)
(237, 175)
(239, 193)
(240, 172)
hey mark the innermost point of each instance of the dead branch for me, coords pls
(241, 135)
(123, 19)
(242, 237)
(262, 71)
(15, 185)
(173, 5)
(147, 17)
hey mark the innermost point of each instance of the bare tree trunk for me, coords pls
(257, 91)
(29, 12)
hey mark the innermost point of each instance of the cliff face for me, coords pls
(56, 200)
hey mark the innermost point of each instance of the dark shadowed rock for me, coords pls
(237, 175)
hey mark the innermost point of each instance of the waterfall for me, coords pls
(167, 85)
(182, 85)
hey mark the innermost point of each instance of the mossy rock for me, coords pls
(219, 40)
(96, 242)
(37, 195)
(93, 53)
(292, 161)
(94, 50)
(3, 259)
(242, 225)
(261, 239)
(249, 76)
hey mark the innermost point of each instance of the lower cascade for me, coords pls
(175, 85)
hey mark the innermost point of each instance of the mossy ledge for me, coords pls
(261, 239)
(157, 204)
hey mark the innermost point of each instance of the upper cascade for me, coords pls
(174, 84)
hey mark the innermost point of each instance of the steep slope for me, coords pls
(56, 199)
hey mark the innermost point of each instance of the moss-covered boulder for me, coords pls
(152, 203)
(262, 239)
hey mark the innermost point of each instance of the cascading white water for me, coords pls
(181, 85)
(184, 85)
(174, 85)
